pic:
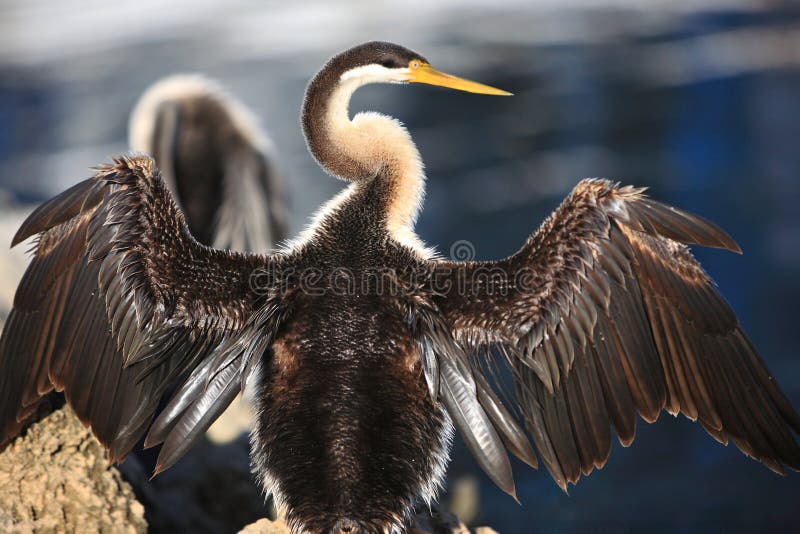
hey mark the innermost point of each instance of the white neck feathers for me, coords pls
(382, 144)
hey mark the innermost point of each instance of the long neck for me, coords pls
(371, 145)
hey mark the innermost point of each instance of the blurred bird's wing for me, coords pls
(215, 159)
(119, 303)
(252, 215)
(604, 313)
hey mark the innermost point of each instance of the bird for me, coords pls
(367, 350)
(216, 160)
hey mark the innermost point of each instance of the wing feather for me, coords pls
(118, 304)
(475, 426)
(485, 425)
(609, 316)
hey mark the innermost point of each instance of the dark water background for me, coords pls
(702, 106)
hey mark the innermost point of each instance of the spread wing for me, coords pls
(605, 313)
(118, 304)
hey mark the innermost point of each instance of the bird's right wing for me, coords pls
(118, 304)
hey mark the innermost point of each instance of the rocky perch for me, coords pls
(56, 478)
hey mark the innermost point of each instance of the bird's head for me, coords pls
(357, 148)
(382, 62)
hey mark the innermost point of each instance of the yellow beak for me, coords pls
(427, 74)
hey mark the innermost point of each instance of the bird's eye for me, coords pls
(414, 64)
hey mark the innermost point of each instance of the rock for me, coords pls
(436, 522)
(56, 478)
(265, 526)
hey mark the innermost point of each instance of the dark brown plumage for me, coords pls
(605, 313)
(365, 348)
(118, 302)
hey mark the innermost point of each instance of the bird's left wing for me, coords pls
(602, 314)
(119, 304)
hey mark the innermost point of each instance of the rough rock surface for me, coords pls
(436, 523)
(265, 526)
(56, 478)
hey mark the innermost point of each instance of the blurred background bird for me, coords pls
(675, 97)
(215, 159)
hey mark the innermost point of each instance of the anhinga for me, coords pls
(216, 160)
(362, 345)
